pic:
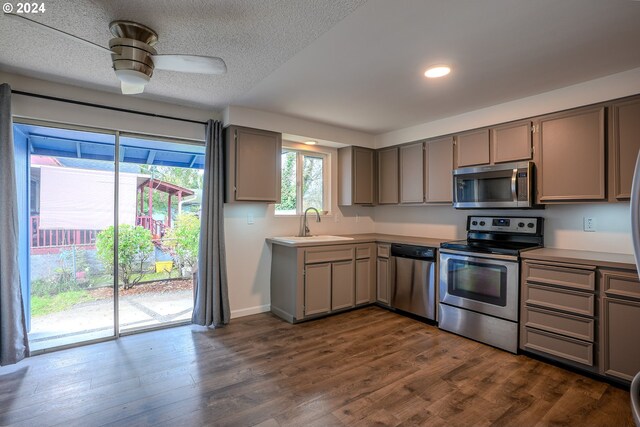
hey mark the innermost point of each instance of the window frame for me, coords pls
(302, 152)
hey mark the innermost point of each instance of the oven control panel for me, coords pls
(527, 225)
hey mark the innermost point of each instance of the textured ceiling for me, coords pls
(366, 72)
(253, 37)
(350, 63)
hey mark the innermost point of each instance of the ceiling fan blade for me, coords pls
(40, 25)
(190, 64)
(131, 89)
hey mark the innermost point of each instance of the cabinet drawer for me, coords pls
(559, 299)
(620, 283)
(576, 278)
(363, 252)
(557, 345)
(316, 255)
(560, 323)
(383, 251)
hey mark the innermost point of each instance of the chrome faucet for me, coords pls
(304, 227)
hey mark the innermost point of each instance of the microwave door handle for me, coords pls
(514, 186)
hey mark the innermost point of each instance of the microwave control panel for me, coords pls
(523, 184)
(528, 225)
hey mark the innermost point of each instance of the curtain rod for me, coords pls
(89, 104)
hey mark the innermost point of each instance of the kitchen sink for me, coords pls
(311, 239)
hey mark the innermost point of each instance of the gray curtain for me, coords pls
(14, 344)
(211, 305)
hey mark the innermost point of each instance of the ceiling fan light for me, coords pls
(132, 77)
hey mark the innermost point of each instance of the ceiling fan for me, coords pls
(134, 57)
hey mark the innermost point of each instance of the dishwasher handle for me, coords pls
(421, 253)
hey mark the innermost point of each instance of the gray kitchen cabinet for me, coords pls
(342, 285)
(511, 142)
(311, 281)
(383, 274)
(472, 148)
(388, 176)
(557, 313)
(571, 164)
(252, 161)
(439, 165)
(412, 173)
(365, 274)
(624, 144)
(620, 315)
(317, 289)
(356, 176)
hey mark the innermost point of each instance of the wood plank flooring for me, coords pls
(365, 367)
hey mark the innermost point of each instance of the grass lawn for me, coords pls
(54, 303)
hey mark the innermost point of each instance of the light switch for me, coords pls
(250, 219)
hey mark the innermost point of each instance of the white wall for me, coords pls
(563, 224)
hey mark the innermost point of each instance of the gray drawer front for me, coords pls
(328, 254)
(383, 251)
(559, 346)
(561, 323)
(363, 252)
(559, 299)
(620, 283)
(583, 279)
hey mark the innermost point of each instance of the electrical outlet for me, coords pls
(357, 218)
(589, 223)
(250, 219)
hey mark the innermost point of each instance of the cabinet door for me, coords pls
(625, 123)
(572, 157)
(363, 176)
(388, 178)
(364, 279)
(511, 142)
(257, 165)
(383, 280)
(412, 173)
(473, 148)
(342, 285)
(620, 337)
(439, 177)
(317, 289)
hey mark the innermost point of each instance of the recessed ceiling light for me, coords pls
(310, 142)
(437, 71)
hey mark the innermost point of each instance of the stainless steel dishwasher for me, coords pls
(413, 280)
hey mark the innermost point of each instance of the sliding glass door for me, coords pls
(100, 261)
(70, 206)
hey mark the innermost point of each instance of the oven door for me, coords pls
(485, 283)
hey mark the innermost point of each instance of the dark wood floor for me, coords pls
(365, 367)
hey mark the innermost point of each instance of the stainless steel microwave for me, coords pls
(509, 185)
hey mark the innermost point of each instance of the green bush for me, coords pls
(183, 240)
(134, 249)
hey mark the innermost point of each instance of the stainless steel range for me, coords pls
(479, 278)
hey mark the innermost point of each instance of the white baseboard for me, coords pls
(250, 310)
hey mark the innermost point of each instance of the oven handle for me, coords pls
(480, 255)
(514, 186)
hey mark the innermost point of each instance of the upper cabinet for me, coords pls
(412, 173)
(473, 148)
(571, 164)
(252, 160)
(388, 177)
(511, 142)
(438, 176)
(624, 142)
(356, 176)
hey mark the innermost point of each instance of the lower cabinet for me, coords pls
(307, 282)
(620, 317)
(557, 317)
(582, 315)
(383, 275)
(317, 288)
